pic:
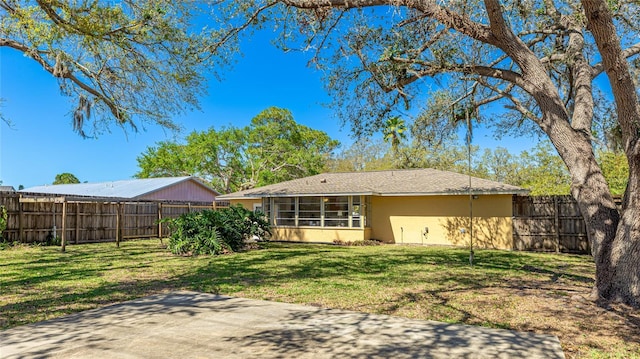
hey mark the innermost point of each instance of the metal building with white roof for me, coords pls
(183, 189)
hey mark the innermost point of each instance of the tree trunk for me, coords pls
(590, 189)
(618, 266)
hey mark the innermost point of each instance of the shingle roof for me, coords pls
(7, 189)
(117, 189)
(382, 183)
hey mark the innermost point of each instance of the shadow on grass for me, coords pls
(450, 265)
(277, 265)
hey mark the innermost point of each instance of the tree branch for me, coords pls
(486, 71)
(35, 55)
(212, 49)
(626, 53)
(517, 105)
(448, 18)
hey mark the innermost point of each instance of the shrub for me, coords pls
(359, 243)
(3, 221)
(215, 232)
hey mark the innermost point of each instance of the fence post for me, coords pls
(99, 220)
(20, 223)
(77, 239)
(159, 204)
(63, 242)
(118, 223)
(556, 210)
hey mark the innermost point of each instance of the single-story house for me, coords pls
(421, 206)
(183, 189)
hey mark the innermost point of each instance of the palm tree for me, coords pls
(394, 131)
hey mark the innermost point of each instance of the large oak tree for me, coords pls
(539, 58)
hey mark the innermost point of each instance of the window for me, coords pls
(284, 211)
(336, 211)
(330, 211)
(367, 211)
(266, 207)
(356, 209)
(309, 213)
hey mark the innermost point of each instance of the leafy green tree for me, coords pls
(166, 159)
(500, 165)
(543, 172)
(216, 157)
(65, 178)
(363, 155)
(616, 170)
(219, 157)
(446, 157)
(273, 148)
(119, 62)
(279, 149)
(537, 58)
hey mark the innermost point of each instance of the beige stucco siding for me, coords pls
(405, 220)
(323, 235)
(246, 203)
(419, 220)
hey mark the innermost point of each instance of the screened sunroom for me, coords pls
(318, 211)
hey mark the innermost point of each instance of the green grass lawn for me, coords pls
(515, 290)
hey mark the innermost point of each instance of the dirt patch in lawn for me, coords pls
(559, 308)
(584, 329)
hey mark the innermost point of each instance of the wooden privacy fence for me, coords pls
(549, 223)
(38, 219)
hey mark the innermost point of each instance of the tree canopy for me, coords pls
(66, 178)
(120, 63)
(273, 148)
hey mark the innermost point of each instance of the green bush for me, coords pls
(3, 222)
(215, 232)
(359, 243)
(3, 219)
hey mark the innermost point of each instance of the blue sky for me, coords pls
(41, 143)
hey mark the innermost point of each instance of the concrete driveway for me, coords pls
(199, 325)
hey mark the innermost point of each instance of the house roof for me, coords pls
(7, 189)
(117, 189)
(415, 182)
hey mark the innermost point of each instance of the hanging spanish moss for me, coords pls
(80, 114)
